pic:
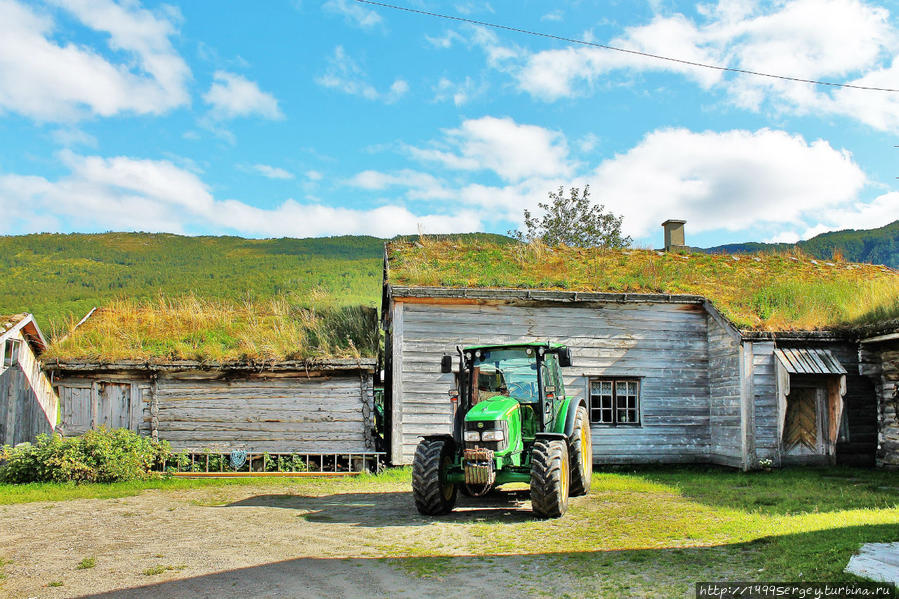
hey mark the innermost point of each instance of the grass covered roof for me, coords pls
(765, 292)
(218, 331)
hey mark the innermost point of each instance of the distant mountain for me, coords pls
(876, 246)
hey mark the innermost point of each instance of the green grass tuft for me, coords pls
(87, 563)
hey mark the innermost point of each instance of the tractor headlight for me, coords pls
(472, 436)
(494, 435)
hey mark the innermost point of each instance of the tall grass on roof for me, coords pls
(767, 291)
(214, 330)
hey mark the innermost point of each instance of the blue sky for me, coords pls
(304, 118)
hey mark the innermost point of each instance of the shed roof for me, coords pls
(808, 361)
(26, 323)
(766, 292)
(188, 331)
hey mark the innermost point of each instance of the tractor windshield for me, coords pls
(511, 372)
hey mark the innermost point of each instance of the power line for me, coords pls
(625, 50)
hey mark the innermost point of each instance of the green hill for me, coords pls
(875, 246)
(59, 277)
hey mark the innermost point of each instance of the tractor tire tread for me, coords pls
(426, 487)
(546, 478)
(580, 480)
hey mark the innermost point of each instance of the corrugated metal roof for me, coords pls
(809, 361)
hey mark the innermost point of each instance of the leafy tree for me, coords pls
(573, 221)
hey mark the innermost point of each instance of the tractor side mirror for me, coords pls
(565, 357)
(446, 364)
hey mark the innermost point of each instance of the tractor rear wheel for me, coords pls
(550, 478)
(433, 494)
(581, 454)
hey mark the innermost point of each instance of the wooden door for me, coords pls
(101, 404)
(802, 427)
(113, 405)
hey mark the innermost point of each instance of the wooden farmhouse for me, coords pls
(682, 358)
(275, 403)
(28, 406)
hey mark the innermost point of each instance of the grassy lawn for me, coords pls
(649, 532)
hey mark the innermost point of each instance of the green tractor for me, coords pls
(512, 423)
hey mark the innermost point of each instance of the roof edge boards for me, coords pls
(175, 365)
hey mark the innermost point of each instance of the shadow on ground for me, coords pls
(626, 573)
(394, 509)
(782, 491)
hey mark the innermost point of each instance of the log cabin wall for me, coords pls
(28, 404)
(880, 362)
(203, 410)
(664, 346)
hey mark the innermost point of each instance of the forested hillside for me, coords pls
(60, 277)
(877, 246)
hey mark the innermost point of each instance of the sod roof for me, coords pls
(168, 330)
(9, 321)
(786, 291)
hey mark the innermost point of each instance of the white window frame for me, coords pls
(614, 382)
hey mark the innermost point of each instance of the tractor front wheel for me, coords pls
(433, 494)
(581, 454)
(550, 478)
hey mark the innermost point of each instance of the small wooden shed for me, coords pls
(28, 406)
(221, 376)
(322, 406)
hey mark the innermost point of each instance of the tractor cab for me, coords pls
(512, 422)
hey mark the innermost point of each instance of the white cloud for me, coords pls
(234, 96)
(514, 152)
(421, 186)
(345, 74)
(834, 40)
(555, 15)
(72, 136)
(49, 80)
(460, 93)
(314, 175)
(354, 13)
(272, 172)
(123, 193)
(732, 180)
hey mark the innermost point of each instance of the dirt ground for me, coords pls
(246, 541)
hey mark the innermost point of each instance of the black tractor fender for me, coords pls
(572, 412)
(551, 437)
(448, 439)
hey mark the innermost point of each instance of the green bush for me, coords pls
(98, 456)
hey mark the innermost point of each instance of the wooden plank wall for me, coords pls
(725, 442)
(664, 344)
(880, 362)
(197, 412)
(28, 404)
(763, 432)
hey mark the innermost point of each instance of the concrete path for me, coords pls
(876, 561)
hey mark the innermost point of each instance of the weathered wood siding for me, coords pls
(880, 362)
(665, 345)
(197, 411)
(725, 431)
(859, 446)
(28, 404)
(765, 443)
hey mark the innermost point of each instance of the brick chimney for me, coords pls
(674, 235)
